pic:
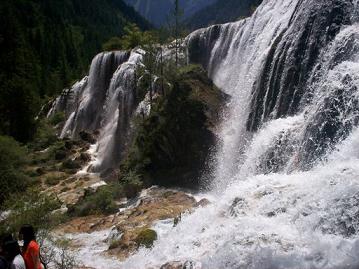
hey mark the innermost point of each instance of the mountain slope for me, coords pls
(44, 45)
(158, 12)
(222, 11)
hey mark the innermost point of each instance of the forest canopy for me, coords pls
(44, 46)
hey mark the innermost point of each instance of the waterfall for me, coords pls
(121, 102)
(286, 179)
(103, 103)
(85, 100)
(233, 54)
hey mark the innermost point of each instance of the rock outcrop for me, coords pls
(131, 227)
(171, 145)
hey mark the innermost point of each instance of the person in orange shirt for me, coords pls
(31, 249)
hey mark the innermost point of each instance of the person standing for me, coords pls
(3, 261)
(14, 255)
(31, 249)
(4, 264)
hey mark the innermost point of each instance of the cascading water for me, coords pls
(90, 96)
(286, 191)
(233, 61)
(103, 102)
(121, 102)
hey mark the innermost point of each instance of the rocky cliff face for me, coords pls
(172, 145)
(167, 141)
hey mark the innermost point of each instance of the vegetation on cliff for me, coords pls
(172, 144)
(12, 176)
(159, 12)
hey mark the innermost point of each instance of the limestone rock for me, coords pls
(202, 203)
(85, 136)
(129, 226)
(181, 265)
(172, 265)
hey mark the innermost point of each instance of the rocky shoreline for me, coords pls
(120, 235)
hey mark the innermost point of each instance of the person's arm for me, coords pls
(35, 257)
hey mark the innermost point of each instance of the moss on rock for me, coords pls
(146, 238)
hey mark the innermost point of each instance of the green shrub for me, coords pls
(44, 137)
(100, 202)
(192, 69)
(115, 244)
(132, 37)
(60, 155)
(51, 155)
(57, 118)
(146, 238)
(54, 179)
(114, 43)
(132, 184)
(13, 158)
(29, 208)
(168, 149)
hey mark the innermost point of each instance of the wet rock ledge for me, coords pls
(131, 227)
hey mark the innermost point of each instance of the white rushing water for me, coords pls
(102, 104)
(274, 205)
(92, 247)
(237, 71)
(119, 105)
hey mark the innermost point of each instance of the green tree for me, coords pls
(114, 43)
(150, 64)
(132, 37)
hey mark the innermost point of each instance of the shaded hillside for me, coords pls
(222, 11)
(46, 44)
(158, 12)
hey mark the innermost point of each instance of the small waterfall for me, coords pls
(68, 100)
(89, 109)
(121, 102)
(103, 103)
(285, 192)
(86, 98)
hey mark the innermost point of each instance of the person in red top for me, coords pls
(31, 249)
